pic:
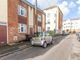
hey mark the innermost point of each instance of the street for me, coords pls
(61, 50)
(39, 29)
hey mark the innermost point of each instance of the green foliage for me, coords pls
(52, 33)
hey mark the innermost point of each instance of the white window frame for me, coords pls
(20, 9)
(39, 29)
(48, 28)
(39, 17)
(48, 15)
(20, 26)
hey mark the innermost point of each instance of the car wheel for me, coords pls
(52, 42)
(44, 45)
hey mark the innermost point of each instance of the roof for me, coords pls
(33, 6)
(78, 18)
(50, 7)
(54, 6)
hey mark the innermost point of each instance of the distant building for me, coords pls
(71, 25)
(17, 19)
(54, 17)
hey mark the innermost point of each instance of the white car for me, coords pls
(42, 39)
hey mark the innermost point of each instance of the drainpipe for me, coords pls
(35, 24)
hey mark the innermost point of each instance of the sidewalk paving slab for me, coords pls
(9, 49)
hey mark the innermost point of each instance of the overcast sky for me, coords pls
(70, 8)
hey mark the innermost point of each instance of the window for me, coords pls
(48, 14)
(21, 11)
(39, 17)
(39, 28)
(64, 24)
(22, 28)
(54, 21)
(48, 22)
(48, 28)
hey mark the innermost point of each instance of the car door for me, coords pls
(48, 38)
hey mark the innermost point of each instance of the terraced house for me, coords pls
(17, 19)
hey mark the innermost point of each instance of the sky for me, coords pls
(70, 8)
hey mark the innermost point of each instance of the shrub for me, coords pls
(52, 33)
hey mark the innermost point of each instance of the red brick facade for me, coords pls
(60, 16)
(14, 19)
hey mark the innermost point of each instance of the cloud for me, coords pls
(78, 2)
(52, 2)
(44, 3)
(72, 5)
(78, 10)
(64, 7)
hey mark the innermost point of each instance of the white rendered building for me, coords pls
(54, 18)
(71, 25)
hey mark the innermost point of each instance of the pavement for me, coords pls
(9, 49)
(75, 54)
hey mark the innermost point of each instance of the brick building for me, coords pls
(17, 19)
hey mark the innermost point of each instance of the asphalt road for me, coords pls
(33, 52)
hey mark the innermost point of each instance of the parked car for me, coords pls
(65, 33)
(42, 39)
(78, 36)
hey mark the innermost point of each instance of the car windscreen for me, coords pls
(41, 34)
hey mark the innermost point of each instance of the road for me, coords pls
(59, 51)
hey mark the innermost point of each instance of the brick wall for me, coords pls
(38, 22)
(12, 21)
(60, 16)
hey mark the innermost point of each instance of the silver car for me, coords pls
(42, 39)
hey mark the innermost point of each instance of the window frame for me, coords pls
(39, 17)
(21, 9)
(20, 26)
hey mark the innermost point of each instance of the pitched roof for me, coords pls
(54, 6)
(78, 18)
(50, 7)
